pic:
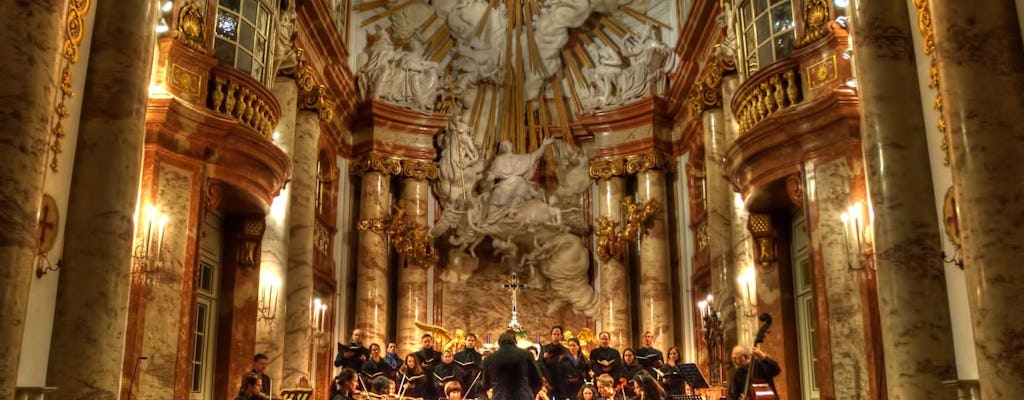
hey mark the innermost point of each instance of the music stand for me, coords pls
(693, 377)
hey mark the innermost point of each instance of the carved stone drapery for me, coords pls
(630, 165)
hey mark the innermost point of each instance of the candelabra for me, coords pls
(714, 337)
(270, 292)
(146, 256)
(860, 250)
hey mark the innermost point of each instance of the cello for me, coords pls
(756, 390)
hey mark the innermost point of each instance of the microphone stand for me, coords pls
(135, 371)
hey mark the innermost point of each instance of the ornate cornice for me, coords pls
(391, 165)
(630, 165)
(707, 91)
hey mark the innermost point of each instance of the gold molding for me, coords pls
(821, 73)
(316, 100)
(613, 237)
(409, 239)
(707, 91)
(816, 18)
(74, 31)
(631, 164)
(420, 169)
(924, 25)
(192, 25)
(392, 165)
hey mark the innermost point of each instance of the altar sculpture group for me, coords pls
(514, 369)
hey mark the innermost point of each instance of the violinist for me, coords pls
(345, 386)
(587, 392)
(765, 369)
(605, 387)
(453, 390)
(647, 388)
(250, 389)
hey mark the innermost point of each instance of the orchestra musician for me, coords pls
(587, 392)
(453, 390)
(646, 387)
(250, 389)
(605, 386)
(765, 369)
(345, 386)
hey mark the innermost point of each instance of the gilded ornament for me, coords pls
(409, 239)
(607, 168)
(420, 169)
(822, 72)
(653, 159)
(74, 31)
(815, 20)
(706, 93)
(316, 100)
(374, 162)
(192, 25)
(613, 237)
(924, 26)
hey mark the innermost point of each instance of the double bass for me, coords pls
(756, 390)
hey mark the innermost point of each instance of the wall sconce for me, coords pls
(714, 337)
(765, 252)
(270, 294)
(748, 297)
(146, 257)
(857, 237)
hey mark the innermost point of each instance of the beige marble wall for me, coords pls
(831, 197)
(274, 249)
(915, 322)
(28, 100)
(981, 70)
(616, 315)
(163, 298)
(92, 294)
(655, 271)
(299, 279)
(373, 259)
(412, 280)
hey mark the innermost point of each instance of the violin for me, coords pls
(758, 390)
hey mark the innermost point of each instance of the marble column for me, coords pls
(299, 279)
(831, 181)
(92, 293)
(981, 73)
(373, 259)
(274, 254)
(916, 331)
(27, 96)
(615, 309)
(655, 271)
(719, 196)
(412, 279)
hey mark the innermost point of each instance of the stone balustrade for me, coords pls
(766, 92)
(234, 93)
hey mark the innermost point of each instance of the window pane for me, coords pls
(763, 26)
(764, 55)
(247, 37)
(257, 72)
(261, 48)
(197, 355)
(782, 18)
(197, 374)
(244, 61)
(748, 13)
(201, 318)
(263, 22)
(227, 25)
(783, 45)
(229, 4)
(249, 10)
(205, 270)
(760, 6)
(225, 52)
(750, 42)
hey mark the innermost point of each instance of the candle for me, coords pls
(160, 236)
(149, 229)
(846, 232)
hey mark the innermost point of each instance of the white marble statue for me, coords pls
(284, 52)
(650, 60)
(727, 21)
(606, 74)
(409, 80)
(525, 228)
(380, 60)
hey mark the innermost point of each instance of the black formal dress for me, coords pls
(512, 373)
(469, 369)
(575, 371)
(765, 370)
(429, 357)
(444, 373)
(650, 358)
(418, 386)
(373, 368)
(351, 355)
(606, 360)
(553, 354)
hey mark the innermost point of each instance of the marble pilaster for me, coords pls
(741, 263)
(373, 257)
(92, 293)
(27, 96)
(655, 271)
(981, 70)
(719, 196)
(412, 280)
(299, 277)
(615, 309)
(274, 254)
(914, 314)
(832, 195)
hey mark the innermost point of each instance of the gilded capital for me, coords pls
(417, 169)
(707, 91)
(607, 168)
(374, 162)
(652, 159)
(317, 101)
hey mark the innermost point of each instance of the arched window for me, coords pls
(768, 33)
(243, 32)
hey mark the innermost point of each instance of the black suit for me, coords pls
(765, 370)
(512, 373)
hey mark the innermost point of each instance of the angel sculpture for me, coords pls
(446, 340)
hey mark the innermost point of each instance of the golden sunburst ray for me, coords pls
(369, 5)
(386, 13)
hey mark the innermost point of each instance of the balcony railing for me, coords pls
(234, 93)
(767, 92)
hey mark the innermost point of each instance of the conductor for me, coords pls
(510, 371)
